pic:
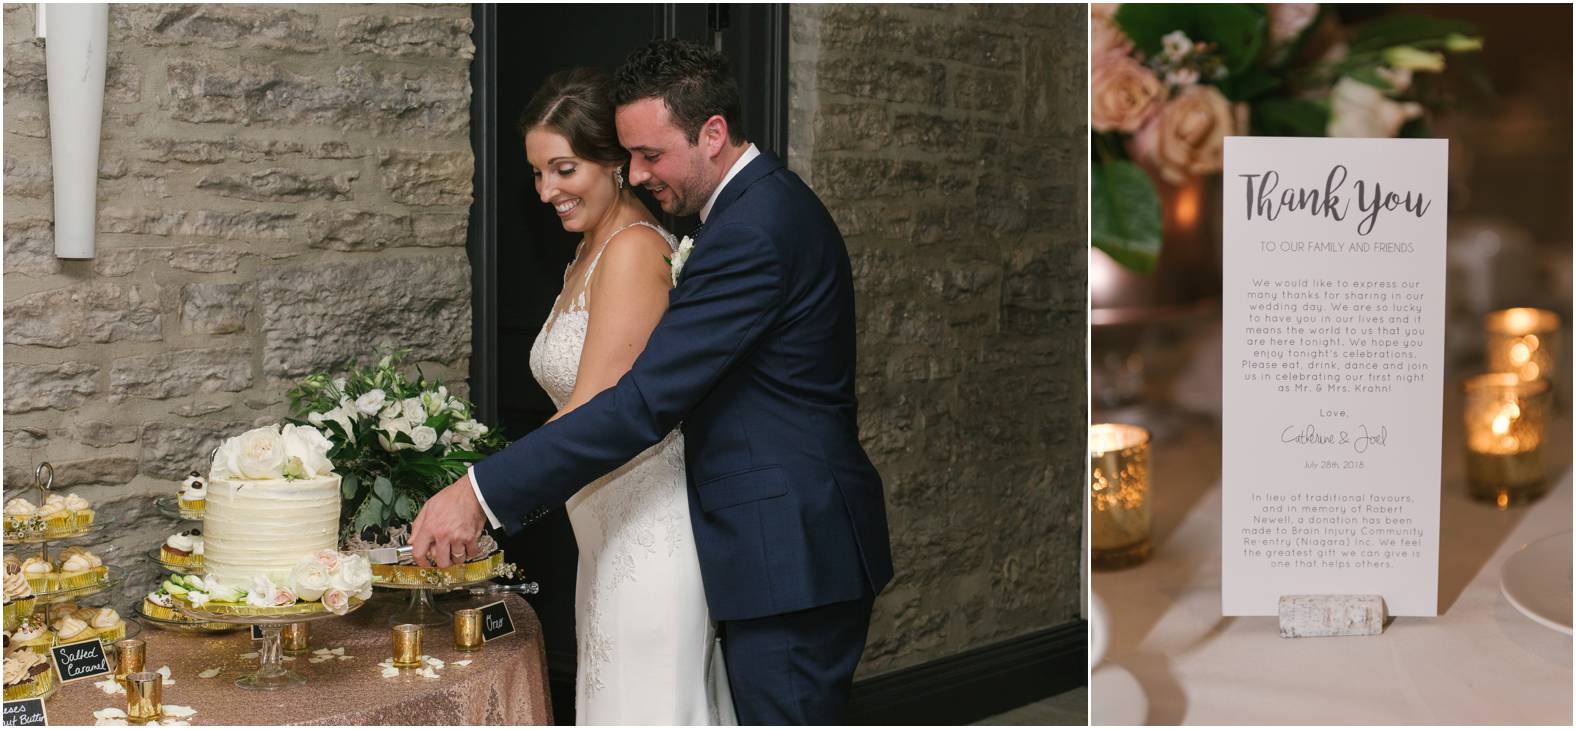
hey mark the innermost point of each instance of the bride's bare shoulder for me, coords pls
(636, 252)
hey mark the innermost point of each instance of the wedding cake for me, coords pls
(273, 498)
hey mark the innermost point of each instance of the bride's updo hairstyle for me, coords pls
(578, 103)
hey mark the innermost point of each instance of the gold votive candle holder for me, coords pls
(130, 657)
(1522, 340)
(144, 696)
(468, 629)
(295, 638)
(1505, 417)
(407, 645)
(1119, 495)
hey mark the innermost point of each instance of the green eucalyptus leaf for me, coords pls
(384, 489)
(1126, 215)
(348, 486)
(405, 507)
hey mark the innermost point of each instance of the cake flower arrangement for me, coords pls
(327, 576)
(397, 440)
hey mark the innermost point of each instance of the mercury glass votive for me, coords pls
(1522, 340)
(130, 657)
(468, 629)
(1505, 418)
(144, 696)
(407, 645)
(295, 638)
(1118, 496)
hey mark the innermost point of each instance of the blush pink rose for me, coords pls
(1104, 34)
(1124, 94)
(336, 601)
(1188, 137)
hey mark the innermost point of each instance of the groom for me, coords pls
(755, 357)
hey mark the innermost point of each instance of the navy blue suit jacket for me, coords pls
(755, 356)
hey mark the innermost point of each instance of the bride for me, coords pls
(646, 644)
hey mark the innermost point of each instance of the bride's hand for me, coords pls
(446, 530)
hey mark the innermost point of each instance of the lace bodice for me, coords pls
(555, 356)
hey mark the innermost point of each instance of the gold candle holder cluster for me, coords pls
(1119, 495)
(1505, 418)
(407, 645)
(468, 629)
(1524, 341)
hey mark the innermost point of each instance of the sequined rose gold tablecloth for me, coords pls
(506, 683)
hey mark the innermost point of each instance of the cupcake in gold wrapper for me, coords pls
(160, 606)
(32, 633)
(57, 518)
(108, 624)
(27, 675)
(72, 630)
(78, 571)
(19, 599)
(183, 550)
(40, 575)
(21, 519)
(81, 511)
(194, 494)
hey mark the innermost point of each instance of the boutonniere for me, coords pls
(676, 263)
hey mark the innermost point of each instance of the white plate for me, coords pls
(1116, 698)
(1537, 581)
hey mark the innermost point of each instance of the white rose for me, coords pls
(262, 592)
(1360, 110)
(353, 575)
(314, 418)
(307, 450)
(224, 461)
(371, 402)
(345, 420)
(424, 437)
(260, 454)
(336, 601)
(309, 579)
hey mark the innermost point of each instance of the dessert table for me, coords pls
(505, 682)
(1173, 658)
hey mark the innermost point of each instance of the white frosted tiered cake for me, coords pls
(265, 527)
(273, 499)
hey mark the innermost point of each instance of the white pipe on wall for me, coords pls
(75, 51)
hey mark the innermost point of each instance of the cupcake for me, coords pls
(40, 574)
(81, 510)
(194, 493)
(27, 675)
(18, 599)
(57, 519)
(72, 630)
(79, 570)
(32, 633)
(183, 549)
(160, 606)
(108, 624)
(19, 515)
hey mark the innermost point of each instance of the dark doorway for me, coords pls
(517, 249)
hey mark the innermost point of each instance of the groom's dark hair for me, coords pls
(693, 81)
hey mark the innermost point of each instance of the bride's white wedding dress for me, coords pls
(647, 647)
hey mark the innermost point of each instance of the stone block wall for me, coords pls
(282, 189)
(949, 143)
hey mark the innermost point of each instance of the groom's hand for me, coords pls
(448, 526)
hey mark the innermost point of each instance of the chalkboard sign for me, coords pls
(496, 622)
(27, 712)
(76, 661)
(257, 632)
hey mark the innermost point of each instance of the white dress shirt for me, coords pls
(750, 153)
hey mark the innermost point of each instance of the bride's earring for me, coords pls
(618, 178)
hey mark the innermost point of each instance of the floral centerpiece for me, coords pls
(327, 576)
(396, 440)
(1168, 83)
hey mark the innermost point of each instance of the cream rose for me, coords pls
(1360, 110)
(336, 601)
(309, 579)
(259, 454)
(354, 576)
(424, 437)
(371, 402)
(306, 451)
(1188, 136)
(1125, 93)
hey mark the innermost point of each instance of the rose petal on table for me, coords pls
(110, 686)
(110, 722)
(319, 659)
(338, 651)
(210, 673)
(322, 652)
(344, 658)
(390, 672)
(249, 656)
(427, 672)
(435, 662)
(110, 713)
(465, 662)
(177, 711)
(287, 658)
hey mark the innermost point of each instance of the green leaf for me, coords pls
(1126, 215)
(1290, 118)
(1239, 30)
(405, 507)
(348, 486)
(384, 489)
(1250, 83)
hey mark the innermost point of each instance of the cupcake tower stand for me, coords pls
(43, 482)
(170, 506)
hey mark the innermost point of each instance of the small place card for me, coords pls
(76, 661)
(27, 712)
(496, 622)
(1333, 303)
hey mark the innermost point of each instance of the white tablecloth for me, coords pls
(1480, 662)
